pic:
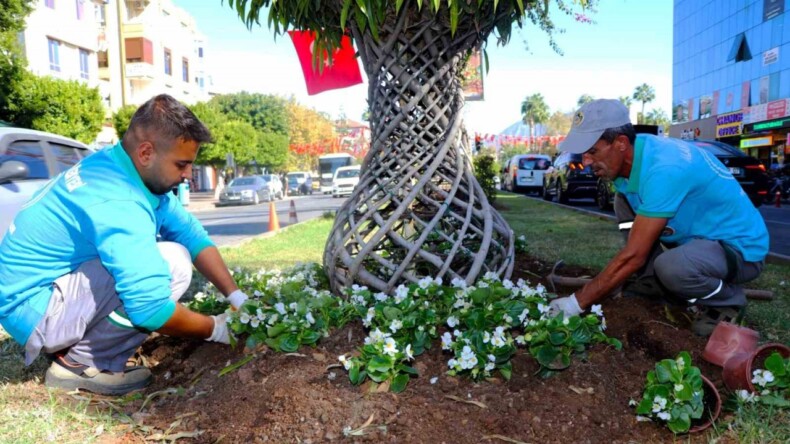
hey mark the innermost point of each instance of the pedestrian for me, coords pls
(691, 230)
(100, 256)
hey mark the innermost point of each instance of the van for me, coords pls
(299, 182)
(345, 180)
(524, 173)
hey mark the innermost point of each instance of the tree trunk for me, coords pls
(418, 210)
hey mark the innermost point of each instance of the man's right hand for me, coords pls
(220, 333)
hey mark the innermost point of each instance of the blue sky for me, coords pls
(630, 43)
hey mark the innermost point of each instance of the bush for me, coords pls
(485, 171)
(122, 118)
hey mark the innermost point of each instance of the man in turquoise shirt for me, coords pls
(101, 254)
(690, 224)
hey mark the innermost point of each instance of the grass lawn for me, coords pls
(31, 414)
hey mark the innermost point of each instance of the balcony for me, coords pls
(139, 71)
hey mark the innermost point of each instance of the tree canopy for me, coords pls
(12, 62)
(265, 112)
(329, 19)
(644, 93)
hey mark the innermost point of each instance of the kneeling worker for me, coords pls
(691, 224)
(99, 257)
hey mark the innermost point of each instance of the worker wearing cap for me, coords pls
(690, 225)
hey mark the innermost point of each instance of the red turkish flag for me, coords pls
(343, 72)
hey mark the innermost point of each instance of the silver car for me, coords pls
(250, 190)
(28, 159)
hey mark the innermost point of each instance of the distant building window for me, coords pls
(84, 71)
(200, 52)
(168, 63)
(80, 10)
(200, 82)
(54, 55)
(185, 70)
(49, 4)
(740, 49)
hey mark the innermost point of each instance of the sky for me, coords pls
(628, 43)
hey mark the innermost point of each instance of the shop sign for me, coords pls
(729, 125)
(770, 56)
(757, 141)
(776, 109)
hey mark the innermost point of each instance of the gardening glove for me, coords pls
(220, 333)
(237, 298)
(568, 306)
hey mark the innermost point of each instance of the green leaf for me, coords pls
(289, 343)
(774, 400)
(398, 4)
(275, 330)
(406, 369)
(775, 364)
(310, 337)
(391, 313)
(485, 57)
(379, 364)
(546, 355)
(344, 13)
(354, 375)
(681, 424)
(646, 406)
(506, 371)
(520, 6)
(454, 14)
(663, 371)
(686, 393)
(399, 383)
(558, 337)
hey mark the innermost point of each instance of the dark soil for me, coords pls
(305, 398)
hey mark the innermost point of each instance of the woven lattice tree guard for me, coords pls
(418, 210)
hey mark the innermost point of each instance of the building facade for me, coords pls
(731, 75)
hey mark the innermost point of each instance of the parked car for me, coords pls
(251, 190)
(299, 182)
(28, 159)
(569, 179)
(344, 180)
(524, 172)
(604, 195)
(747, 170)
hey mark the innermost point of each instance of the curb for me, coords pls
(771, 258)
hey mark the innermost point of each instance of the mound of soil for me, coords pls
(306, 398)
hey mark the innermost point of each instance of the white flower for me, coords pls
(425, 282)
(396, 325)
(273, 319)
(447, 341)
(456, 333)
(632, 402)
(565, 321)
(280, 307)
(468, 358)
(255, 322)
(482, 284)
(438, 281)
(369, 317)
(293, 306)
(491, 358)
(664, 416)
(390, 347)
(543, 308)
(596, 309)
(498, 340)
(380, 296)
(746, 396)
(520, 340)
(523, 315)
(199, 296)
(486, 337)
(508, 319)
(452, 321)
(762, 377)
(507, 283)
(346, 363)
(490, 366)
(603, 323)
(407, 351)
(491, 276)
(452, 363)
(458, 283)
(358, 289)
(401, 293)
(678, 387)
(309, 317)
(434, 379)
(244, 318)
(680, 362)
(659, 404)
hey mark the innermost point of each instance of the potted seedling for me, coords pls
(678, 395)
(739, 370)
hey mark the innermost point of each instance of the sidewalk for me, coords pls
(201, 201)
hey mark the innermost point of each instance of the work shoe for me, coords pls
(71, 376)
(709, 317)
(645, 287)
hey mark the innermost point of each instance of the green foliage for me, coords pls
(122, 118)
(330, 19)
(12, 61)
(485, 171)
(65, 107)
(644, 93)
(657, 117)
(772, 382)
(673, 393)
(272, 150)
(584, 99)
(264, 112)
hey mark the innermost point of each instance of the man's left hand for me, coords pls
(568, 306)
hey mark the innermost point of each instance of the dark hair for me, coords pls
(165, 119)
(626, 130)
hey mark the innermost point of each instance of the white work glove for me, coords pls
(568, 306)
(237, 298)
(220, 333)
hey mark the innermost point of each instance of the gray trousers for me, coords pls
(701, 271)
(86, 316)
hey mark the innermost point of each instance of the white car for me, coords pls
(344, 180)
(524, 173)
(28, 159)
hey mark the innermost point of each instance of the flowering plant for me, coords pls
(521, 244)
(772, 382)
(382, 360)
(673, 393)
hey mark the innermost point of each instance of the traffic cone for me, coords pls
(778, 202)
(292, 219)
(274, 223)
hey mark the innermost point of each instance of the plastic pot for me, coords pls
(727, 340)
(712, 402)
(739, 368)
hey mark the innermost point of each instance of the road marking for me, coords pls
(776, 222)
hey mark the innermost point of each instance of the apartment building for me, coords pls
(60, 40)
(150, 47)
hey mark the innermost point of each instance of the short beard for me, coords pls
(158, 189)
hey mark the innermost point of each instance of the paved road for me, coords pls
(231, 225)
(777, 220)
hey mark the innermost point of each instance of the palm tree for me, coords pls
(627, 101)
(584, 99)
(658, 117)
(644, 93)
(534, 111)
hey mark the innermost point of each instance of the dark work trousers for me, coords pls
(701, 271)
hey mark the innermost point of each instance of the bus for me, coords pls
(328, 164)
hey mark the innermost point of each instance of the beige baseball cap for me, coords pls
(590, 121)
